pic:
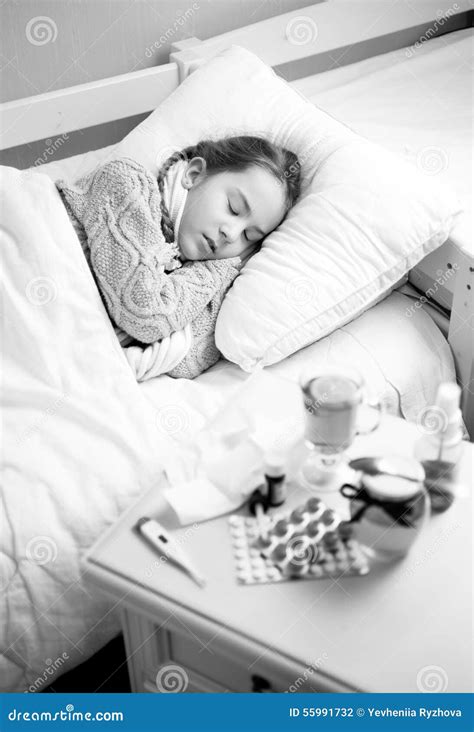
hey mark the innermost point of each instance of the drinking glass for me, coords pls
(336, 406)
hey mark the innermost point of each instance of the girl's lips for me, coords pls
(210, 244)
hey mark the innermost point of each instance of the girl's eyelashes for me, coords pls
(236, 213)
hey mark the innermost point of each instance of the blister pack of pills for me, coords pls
(309, 543)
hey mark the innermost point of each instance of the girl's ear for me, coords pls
(194, 173)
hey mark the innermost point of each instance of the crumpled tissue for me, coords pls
(218, 469)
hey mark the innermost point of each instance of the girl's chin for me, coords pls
(188, 250)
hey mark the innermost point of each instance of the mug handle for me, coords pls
(376, 406)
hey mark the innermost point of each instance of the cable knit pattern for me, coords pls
(204, 352)
(118, 205)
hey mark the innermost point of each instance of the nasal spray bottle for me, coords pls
(439, 450)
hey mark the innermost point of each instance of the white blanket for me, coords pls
(79, 439)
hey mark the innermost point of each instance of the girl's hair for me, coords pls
(236, 154)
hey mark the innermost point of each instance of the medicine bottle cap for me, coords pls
(448, 398)
(274, 465)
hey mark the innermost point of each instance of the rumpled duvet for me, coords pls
(79, 440)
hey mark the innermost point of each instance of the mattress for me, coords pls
(96, 438)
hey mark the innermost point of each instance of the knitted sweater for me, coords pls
(118, 205)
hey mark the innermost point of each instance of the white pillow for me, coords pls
(365, 217)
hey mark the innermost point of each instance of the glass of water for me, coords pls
(336, 404)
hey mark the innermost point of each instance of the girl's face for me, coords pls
(228, 214)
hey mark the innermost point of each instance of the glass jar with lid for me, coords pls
(388, 513)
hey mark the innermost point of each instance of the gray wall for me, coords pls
(94, 39)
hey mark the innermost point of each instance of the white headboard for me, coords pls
(340, 34)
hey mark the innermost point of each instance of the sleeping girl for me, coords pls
(165, 251)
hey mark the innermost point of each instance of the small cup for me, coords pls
(335, 401)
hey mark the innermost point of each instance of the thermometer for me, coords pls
(162, 540)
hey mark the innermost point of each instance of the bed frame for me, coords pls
(375, 27)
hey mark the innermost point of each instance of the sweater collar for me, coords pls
(174, 194)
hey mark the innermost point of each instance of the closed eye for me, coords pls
(257, 240)
(231, 209)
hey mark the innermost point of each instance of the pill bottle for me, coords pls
(275, 478)
(439, 449)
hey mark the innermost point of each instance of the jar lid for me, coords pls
(401, 466)
(391, 487)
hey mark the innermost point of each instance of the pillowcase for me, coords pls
(364, 218)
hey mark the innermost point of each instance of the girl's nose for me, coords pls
(230, 232)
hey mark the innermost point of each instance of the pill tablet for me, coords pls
(328, 517)
(243, 573)
(313, 505)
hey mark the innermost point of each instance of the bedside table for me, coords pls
(383, 632)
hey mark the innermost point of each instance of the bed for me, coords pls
(82, 443)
